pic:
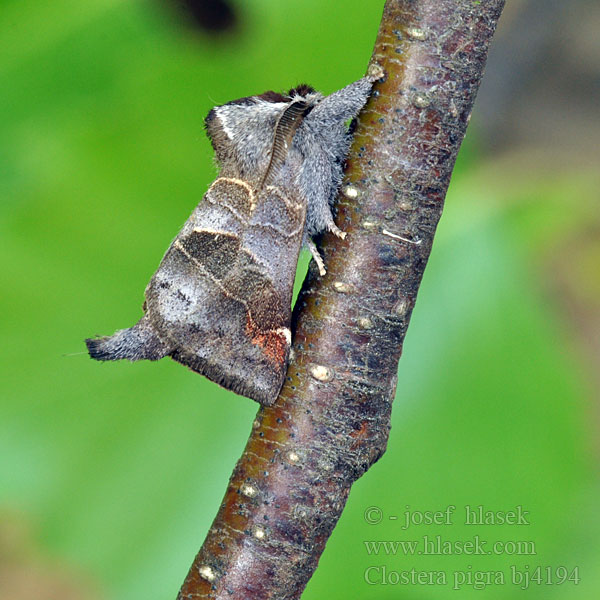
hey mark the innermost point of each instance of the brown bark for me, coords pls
(332, 419)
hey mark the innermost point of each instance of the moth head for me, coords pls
(242, 130)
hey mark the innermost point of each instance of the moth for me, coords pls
(220, 301)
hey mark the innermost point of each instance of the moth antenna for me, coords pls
(286, 127)
(136, 343)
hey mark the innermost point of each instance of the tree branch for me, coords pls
(332, 419)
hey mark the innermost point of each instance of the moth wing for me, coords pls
(221, 298)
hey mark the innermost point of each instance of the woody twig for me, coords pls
(332, 419)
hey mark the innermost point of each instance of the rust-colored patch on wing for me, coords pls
(274, 342)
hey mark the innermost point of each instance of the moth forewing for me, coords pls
(221, 297)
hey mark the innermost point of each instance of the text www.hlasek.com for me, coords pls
(436, 545)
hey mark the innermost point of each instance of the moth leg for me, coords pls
(316, 256)
(341, 105)
(319, 181)
(337, 231)
(323, 141)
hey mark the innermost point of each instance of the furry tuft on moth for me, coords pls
(220, 301)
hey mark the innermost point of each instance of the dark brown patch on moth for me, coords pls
(245, 284)
(216, 252)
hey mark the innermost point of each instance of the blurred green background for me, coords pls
(110, 474)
